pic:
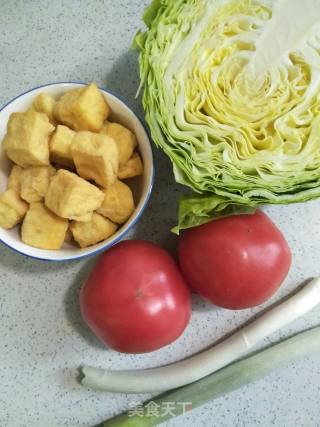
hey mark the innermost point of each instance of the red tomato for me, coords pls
(235, 262)
(136, 299)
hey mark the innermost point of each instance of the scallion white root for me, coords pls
(187, 371)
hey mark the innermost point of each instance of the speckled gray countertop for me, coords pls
(42, 337)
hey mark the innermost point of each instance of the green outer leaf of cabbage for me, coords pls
(151, 12)
(197, 209)
(215, 198)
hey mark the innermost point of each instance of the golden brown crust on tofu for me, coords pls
(43, 229)
(69, 195)
(90, 233)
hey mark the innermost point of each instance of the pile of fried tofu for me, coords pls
(69, 163)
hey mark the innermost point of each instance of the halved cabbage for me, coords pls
(231, 94)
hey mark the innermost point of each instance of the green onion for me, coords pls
(232, 377)
(209, 361)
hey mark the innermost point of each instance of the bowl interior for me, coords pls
(141, 186)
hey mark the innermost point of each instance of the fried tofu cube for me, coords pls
(43, 229)
(118, 203)
(93, 232)
(12, 209)
(133, 168)
(14, 180)
(69, 195)
(83, 109)
(60, 146)
(35, 182)
(63, 110)
(95, 157)
(44, 103)
(26, 141)
(125, 140)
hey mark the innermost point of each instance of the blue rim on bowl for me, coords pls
(82, 254)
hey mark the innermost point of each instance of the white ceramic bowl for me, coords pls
(141, 186)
